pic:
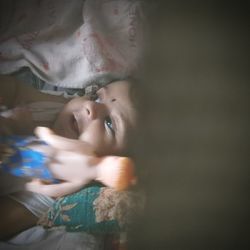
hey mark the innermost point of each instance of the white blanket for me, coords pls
(40, 239)
(71, 43)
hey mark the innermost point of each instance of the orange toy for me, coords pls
(116, 172)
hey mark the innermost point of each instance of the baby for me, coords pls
(100, 122)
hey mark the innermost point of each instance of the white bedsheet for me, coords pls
(37, 238)
(71, 43)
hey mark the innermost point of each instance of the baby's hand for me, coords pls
(73, 162)
(70, 161)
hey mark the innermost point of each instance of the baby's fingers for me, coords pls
(62, 143)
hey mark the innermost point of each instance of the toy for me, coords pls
(19, 159)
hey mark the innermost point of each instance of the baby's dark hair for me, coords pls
(135, 95)
(137, 137)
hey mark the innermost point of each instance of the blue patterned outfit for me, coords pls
(20, 160)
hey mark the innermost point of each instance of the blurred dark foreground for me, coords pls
(194, 143)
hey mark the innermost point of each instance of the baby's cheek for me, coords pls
(94, 138)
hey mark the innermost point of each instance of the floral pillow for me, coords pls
(94, 209)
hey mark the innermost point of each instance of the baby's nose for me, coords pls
(93, 110)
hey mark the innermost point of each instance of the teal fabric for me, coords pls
(95, 209)
(77, 213)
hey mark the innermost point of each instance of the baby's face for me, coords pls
(103, 123)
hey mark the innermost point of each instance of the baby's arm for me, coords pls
(14, 96)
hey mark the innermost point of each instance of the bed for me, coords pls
(61, 46)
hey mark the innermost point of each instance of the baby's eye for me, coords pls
(98, 100)
(109, 124)
(95, 98)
